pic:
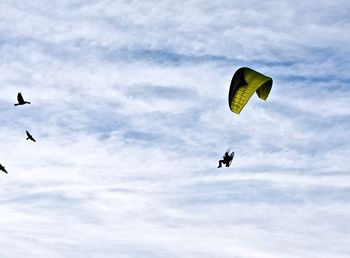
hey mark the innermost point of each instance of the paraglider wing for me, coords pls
(244, 83)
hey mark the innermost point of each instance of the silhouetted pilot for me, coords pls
(226, 160)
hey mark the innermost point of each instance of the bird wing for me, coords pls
(20, 98)
(30, 136)
(3, 168)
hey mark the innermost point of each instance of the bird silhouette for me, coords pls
(20, 100)
(30, 137)
(2, 168)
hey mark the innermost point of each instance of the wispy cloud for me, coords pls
(129, 109)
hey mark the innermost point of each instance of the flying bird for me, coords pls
(30, 137)
(20, 100)
(2, 168)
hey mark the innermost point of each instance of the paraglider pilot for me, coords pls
(226, 160)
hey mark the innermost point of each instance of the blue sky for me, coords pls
(129, 109)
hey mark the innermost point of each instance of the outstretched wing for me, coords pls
(2, 168)
(20, 98)
(30, 136)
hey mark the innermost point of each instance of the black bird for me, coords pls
(20, 100)
(2, 168)
(30, 137)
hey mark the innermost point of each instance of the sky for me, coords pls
(130, 112)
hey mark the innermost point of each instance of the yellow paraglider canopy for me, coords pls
(244, 83)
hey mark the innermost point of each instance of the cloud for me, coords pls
(129, 109)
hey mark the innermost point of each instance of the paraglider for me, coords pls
(20, 100)
(227, 159)
(30, 137)
(244, 83)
